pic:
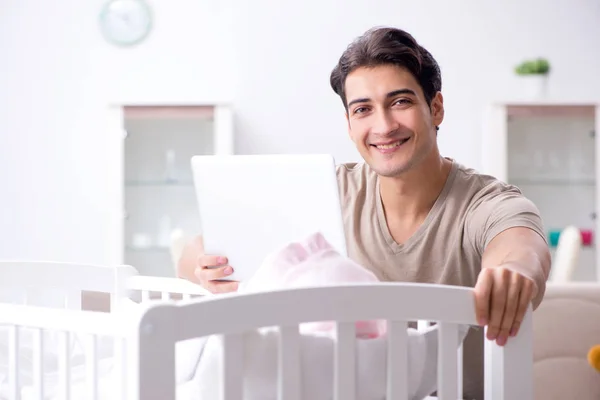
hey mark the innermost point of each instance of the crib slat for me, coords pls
(120, 365)
(397, 361)
(64, 367)
(233, 367)
(344, 363)
(91, 366)
(460, 365)
(145, 295)
(38, 364)
(447, 361)
(509, 368)
(13, 360)
(165, 295)
(289, 382)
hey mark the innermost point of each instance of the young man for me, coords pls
(411, 214)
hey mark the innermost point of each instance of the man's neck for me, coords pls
(411, 196)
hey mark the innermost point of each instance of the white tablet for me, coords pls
(252, 205)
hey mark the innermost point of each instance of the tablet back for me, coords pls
(251, 205)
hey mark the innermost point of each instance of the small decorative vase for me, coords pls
(535, 86)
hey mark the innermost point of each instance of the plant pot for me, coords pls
(534, 86)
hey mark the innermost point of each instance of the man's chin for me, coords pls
(391, 170)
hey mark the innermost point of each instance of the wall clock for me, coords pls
(125, 22)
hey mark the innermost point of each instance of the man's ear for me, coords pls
(437, 109)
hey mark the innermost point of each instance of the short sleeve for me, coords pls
(497, 209)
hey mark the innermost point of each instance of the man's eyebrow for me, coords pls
(401, 91)
(390, 94)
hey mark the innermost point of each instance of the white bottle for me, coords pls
(170, 165)
(164, 232)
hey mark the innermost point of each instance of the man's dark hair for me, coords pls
(381, 46)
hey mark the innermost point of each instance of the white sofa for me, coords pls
(566, 326)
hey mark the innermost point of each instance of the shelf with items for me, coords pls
(158, 194)
(549, 151)
(159, 183)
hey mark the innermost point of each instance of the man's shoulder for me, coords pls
(468, 185)
(493, 206)
(354, 177)
(486, 198)
(479, 186)
(351, 170)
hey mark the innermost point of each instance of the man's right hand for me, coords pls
(206, 270)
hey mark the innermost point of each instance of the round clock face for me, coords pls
(125, 22)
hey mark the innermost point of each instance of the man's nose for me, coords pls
(384, 123)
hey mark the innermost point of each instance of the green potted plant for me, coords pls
(534, 74)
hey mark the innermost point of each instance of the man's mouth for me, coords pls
(392, 145)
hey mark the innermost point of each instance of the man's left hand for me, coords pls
(501, 300)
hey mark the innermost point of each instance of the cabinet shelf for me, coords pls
(549, 149)
(156, 180)
(148, 249)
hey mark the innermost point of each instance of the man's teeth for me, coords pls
(391, 145)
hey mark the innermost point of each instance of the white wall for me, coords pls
(57, 77)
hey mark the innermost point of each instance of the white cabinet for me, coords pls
(157, 192)
(549, 150)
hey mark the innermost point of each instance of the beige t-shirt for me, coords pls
(447, 248)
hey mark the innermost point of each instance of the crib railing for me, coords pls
(41, 300)
(166, 288)
(60, 284)
(69, 328)
(508, 369)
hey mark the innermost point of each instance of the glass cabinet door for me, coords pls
(159, 196)
(551, 157)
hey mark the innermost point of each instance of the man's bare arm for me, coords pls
(526, 252)
(515, 268)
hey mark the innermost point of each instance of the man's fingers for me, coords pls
(482, 297)
(212, 261)
(207, 274)
(223, 286)
(498, 302)
(524, 300)
(515, 282)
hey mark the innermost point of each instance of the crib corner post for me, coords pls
(151, 349)
(509, 368)
(121, 285)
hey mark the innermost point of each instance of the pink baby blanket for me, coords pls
(313, 262)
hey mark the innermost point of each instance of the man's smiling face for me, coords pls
(389, 120)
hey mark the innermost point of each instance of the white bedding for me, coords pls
(317, 355)
(313, 262)
(198, 372)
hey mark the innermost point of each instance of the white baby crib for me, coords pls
(508, 369)
(146, 355)
(41, 312)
